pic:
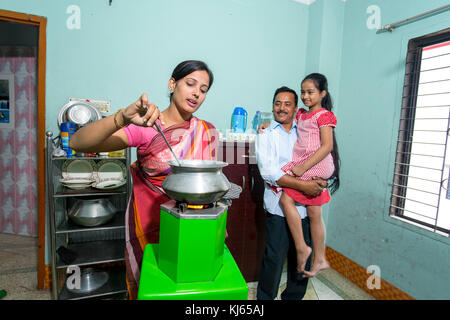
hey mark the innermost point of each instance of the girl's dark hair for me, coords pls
(321, 83)
(186, 67)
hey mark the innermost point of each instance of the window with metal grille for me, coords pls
(420, 192)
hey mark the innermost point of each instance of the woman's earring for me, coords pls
(171, 90)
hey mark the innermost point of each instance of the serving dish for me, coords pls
(76, 169)
(77, 184)
(109, 184)
(110, 169)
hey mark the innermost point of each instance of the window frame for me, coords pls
(406, 127)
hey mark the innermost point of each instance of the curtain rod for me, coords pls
(390, 27)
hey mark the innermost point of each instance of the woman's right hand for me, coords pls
(141, 113)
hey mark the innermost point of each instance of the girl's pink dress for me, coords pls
(308, 141)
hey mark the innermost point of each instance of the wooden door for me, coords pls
(41, 22)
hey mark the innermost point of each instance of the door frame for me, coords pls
(40, 22)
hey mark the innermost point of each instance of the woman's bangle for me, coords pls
(117, 123)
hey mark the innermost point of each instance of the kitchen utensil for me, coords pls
(92, 212)
(76, 184)
(167, 142)
(78, 169)
(109, 184)
(196, 181)
(79, 112)
(110, 174)
(234, 192)
(110, 169)
(90, 280)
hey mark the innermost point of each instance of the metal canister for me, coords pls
(67, 130)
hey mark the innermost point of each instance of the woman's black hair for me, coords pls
(321, 83)
(186, 67)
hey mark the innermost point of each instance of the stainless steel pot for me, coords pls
(92, 212)
(196, 181)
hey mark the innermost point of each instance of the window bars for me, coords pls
(419, 190)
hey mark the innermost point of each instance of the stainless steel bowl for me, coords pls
(92, 212)
(79, 112)
(90, 280)
(196, 181)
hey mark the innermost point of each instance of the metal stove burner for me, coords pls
(183, 206)
(188, 211)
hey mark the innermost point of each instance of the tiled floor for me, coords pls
(18, 276)
(328, 285)
(18, 268)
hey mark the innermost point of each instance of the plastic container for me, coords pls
(266, 117)
(256, 120)
(239, 120)
(67, 130)
(118, 153)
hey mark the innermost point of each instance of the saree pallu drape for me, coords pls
(192, 139)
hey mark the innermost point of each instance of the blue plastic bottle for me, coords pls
(239, 120)
(67, 130)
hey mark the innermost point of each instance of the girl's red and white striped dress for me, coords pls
(308, 141)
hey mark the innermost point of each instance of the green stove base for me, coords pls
(154, 284)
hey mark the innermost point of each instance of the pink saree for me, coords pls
(192, 139)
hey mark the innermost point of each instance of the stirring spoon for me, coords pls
(167, 142)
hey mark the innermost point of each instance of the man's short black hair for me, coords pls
(285, 89)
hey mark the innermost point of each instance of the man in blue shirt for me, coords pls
(273, 150)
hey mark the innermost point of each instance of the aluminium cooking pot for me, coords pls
(92, 212)
(196, 181)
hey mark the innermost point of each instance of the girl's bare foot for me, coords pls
(302, 257)
(316, 268)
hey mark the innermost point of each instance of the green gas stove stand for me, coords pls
(229, 284)
(191, 260)
(191, 243)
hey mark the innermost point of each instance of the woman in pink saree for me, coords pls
(189, 137)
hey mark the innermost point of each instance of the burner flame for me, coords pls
(197, 206)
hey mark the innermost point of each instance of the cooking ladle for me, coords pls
(167, 142)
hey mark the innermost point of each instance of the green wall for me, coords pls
(130, 47)
(369, 90)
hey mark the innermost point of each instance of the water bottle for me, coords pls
(67, 130)
(266, 117)
(256, 120)
(239, 120)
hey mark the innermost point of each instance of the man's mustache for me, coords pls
(280, 112)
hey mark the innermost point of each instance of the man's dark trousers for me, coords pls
(279, 245)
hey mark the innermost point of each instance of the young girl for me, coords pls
(315, 155)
